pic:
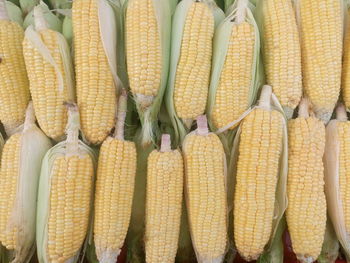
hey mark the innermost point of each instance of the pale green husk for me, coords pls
(332, 187)
(272, 249)
(220, 48)
(27, 5)
(330, 247)
(53, 21)
(33, 146)
(14, 13)
(61, 4)
(135, 237)
(149, 115)
(176, 40)
(58, 150)
(67, 29)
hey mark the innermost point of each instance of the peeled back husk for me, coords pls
(33, 146)
(53, 21)
(69, 148)
(27, 5)
(14, 13)
(178, 25)
(67, 29)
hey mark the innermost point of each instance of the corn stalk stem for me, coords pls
(165, 145)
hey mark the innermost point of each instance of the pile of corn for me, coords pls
(175, 130)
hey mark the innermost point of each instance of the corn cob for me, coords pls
(147, 41)
(50, 72)
(19, 177)
(306, 212)
(321, 31)
(163, 203)
(337, 176)
(65, 196)
(345, 85)
(205, 173)
(14, 97)
(193, 68)
(95, 75)
(233, 80)
(282, 56)
(114, 190)
(259, 154)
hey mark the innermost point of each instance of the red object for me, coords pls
(122, 255)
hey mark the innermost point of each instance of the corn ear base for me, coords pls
(53, 21)
(179, 19)
(330, 247)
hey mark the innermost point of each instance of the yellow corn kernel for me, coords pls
(256, 180)
(204, 159)
(306, 211)
(14, 95)
(282, 56)
(69, 210)
(163, 203)
(113, 197)
(143, 48)
(47, 97)
(96, 92)
(193, 69)
(321, 29)
(346, 66)
(9, 174)
(232, 93)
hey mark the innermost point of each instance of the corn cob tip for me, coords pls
(202, 125)
(121, 115)
(324, 115)
(265, 97)
(304, 108)
(30, 116)
(165, 145)
(108, 256)
(3, 11)
(39, 20)
(305, 259)
(341, 112)
(216, 260)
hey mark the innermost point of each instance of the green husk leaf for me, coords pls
(53, 21)
(135, 237)
(71, 147)
(34, 145)
(173, 4)
(27, 5)
(281, 189)
(61, 4)
(16, 2)
(67, 29)
(176, 40)
(14, 13)
(330, 247)
(332, 187)
(149, 115)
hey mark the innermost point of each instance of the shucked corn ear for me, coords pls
(50, 73)
(65, 196)
(205, 175)
(306, 211)
(259, 198)
(14, 84)
(345, 85)
(114, 190)
(19, 177)
(163, 203)
(94, 30)
(147, 33)
(235, 70)
(191, 53)
(337, 176)
(321, 36)
(281, 51)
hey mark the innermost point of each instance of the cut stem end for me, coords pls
(341, 113)
(202, 125)
(165, 145)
